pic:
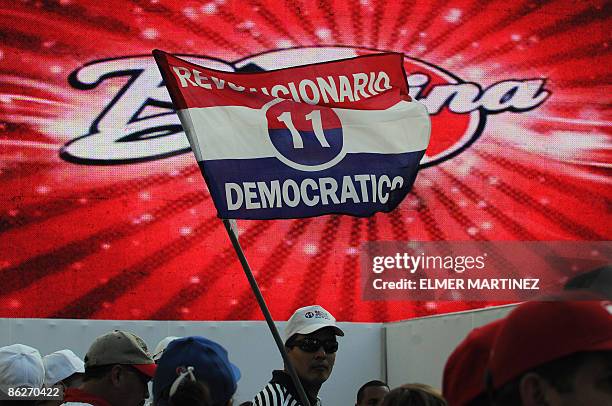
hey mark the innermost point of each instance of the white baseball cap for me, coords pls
(309, 319)
(161, 346)
(20, 366)
(60, 365)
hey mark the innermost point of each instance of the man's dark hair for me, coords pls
(369, 384)
(191, 393)
(558, 373)
(414, 395)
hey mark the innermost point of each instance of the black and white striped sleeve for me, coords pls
(274, 394)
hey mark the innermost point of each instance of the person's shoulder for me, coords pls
(78, 397)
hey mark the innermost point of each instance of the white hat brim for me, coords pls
(315, 327)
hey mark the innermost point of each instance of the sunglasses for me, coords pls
(313, 345)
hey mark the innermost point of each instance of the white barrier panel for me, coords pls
(417, 349)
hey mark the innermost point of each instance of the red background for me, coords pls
(141, 241)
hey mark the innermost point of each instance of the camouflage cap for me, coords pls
(120, 347)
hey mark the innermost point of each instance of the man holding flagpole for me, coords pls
(338, 137)
(311, 345)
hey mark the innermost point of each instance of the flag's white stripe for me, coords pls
(237, 132)
(405, 127)
(226, 132)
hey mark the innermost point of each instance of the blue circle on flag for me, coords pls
(305, 134)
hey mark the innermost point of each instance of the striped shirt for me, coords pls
(280, 391)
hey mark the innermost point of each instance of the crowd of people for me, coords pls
(556, 352)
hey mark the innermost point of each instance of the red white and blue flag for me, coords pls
(333, 137)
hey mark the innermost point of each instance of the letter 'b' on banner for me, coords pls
(338, 137)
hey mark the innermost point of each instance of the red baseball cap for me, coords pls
(536, 333)
(464, 373)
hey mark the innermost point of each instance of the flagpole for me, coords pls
(264, 309)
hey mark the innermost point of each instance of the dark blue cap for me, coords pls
(209, 360)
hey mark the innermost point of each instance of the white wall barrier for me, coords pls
(417, 349)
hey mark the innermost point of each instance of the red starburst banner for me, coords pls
(103, 212)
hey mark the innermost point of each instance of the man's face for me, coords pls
(592, 384)
(313, 367)
(134, 387)
(373, 395)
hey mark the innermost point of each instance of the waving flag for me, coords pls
(334, 137)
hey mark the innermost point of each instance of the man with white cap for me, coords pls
(21, 366)
(62, 369)
(63, 366)
(311, 345)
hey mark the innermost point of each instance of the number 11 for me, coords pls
(317, 126)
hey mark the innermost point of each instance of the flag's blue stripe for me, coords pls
(311, 152)
(219, 172)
